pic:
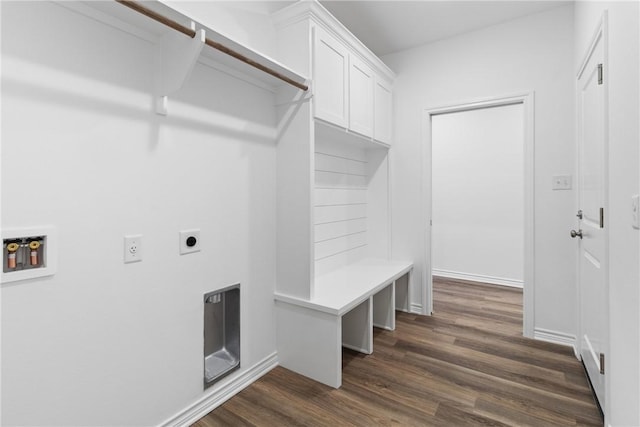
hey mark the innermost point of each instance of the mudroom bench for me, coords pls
(346, 305)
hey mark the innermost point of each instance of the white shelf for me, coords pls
(341, 290)
(123, 18)
(345, 136)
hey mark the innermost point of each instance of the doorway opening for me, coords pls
(479, 196)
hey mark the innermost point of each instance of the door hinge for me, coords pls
(600, 74)
(602, 363)
(601, 217)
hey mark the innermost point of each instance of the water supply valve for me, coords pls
(28, 253)
(33, 248)
(12, 254)
(24, 253)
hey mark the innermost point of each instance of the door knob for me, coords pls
(575, 234)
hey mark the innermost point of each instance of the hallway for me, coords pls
(466, 365)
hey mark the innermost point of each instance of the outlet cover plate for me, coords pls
(561, 182)
(184, 237)
(133, 248)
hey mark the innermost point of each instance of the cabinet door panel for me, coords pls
(383, 113)
(360, 97)
(330, 61)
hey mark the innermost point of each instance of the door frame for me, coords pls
(526, 99)
(601, 33)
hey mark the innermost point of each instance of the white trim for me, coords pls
(361, 349)
(556, 337)
(1, 203)
(416, 309)
(514, 283)
(597, 35)
(527, 99)
(316, 12)
(222, 393)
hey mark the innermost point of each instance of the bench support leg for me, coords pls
(309, 343)
(357, 328)
(384, 308)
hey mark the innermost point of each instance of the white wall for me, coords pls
(101, 342)
(478, 194)
(532, 53)
(623, 77)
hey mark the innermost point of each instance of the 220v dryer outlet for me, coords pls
(189, 241)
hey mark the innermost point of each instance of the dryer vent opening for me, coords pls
(221, 333)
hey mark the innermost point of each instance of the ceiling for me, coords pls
(394, 25)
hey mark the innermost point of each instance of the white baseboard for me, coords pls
(358, 349)
(556, 338)
(386, 328)
(222, 393)
(514, 283)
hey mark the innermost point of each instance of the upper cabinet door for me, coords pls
(360, 97)
(330, 65)
(383, 112)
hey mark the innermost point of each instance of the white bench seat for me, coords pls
(347, 303)
(339, 291)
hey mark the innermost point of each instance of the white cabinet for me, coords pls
(333, 166)
(361, 80)
(330, 70)
(334, 275)
(383, 104)
(349, 91)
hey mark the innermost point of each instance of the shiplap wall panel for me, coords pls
(324, 214)
(333, 263)
(337, 179)
(332, 230)
(340, 196)
(340, 245)
(340, 221)
(340, 164)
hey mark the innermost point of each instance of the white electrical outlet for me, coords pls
(561, 182)
(133, 248)
(189, 241)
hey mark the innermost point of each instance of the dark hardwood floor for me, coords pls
(467, 365)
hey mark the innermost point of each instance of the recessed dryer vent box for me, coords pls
(221, 333)
(28, 253)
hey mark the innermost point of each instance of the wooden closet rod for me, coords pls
(222, 48)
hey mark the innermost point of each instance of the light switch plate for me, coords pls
(561, 182)
(635, 215)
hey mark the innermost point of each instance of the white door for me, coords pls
(592, 234)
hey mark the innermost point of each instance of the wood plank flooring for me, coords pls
(467, 365)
